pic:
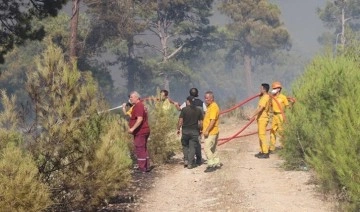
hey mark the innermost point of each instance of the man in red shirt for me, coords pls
(139, 127)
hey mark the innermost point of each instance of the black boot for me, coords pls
(264, 156)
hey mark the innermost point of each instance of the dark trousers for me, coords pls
(189, 143)
(198, 152)
(140, 142)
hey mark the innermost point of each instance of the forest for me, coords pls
(56, 76)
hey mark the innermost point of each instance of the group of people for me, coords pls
(196, 119)
(274, 102)
(200, 120)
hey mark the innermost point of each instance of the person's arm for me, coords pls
(177, 106)
(200, 123)
(124, 108)
(286, 103)
(209, 128)
(139, 120)
(257, 111)
(179, 124)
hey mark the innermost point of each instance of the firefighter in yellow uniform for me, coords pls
(262, 117)
(166, 104)
(278, 104)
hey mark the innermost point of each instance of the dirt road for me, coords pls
(244, 183)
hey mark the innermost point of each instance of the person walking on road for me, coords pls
(190, 124)
(278, 104)
(262, 117)
(139, 128)
(211, 132)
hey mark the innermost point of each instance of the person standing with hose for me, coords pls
(139, 128)
(262, 117)
(278, 104)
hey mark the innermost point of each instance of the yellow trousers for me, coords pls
(262, 123)
(210, 150)
(276, 127)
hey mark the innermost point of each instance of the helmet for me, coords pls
(276, 85)
(194, 92)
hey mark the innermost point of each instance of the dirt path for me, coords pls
(244, 183)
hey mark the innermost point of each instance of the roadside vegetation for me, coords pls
(68, 156)
(322, 129)
(58, 153)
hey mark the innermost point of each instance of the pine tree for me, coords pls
(82, 155)
(255, 31)
(20, 184)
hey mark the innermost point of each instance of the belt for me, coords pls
(277, 113)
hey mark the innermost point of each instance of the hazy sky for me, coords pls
(303, 24)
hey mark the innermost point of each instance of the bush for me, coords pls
(21, 188)
(81, 155)
(322, 127)
(163, 142)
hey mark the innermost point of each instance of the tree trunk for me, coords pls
(342, 38)
(131, 67)
(248, 78)
(74, 26)
(166, 84)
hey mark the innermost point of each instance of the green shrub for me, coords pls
(163, 142)
(322, 127)
(81, 155)
(103, 171)
(20, 186)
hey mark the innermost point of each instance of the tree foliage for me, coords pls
(163, 142)
(20, 183)
(321, 128)
(16, 21)
(114, 27)
(21, 59)
(83, 156)
(255, 31)
(342, 16)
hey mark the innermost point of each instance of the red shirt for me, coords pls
(139, 110)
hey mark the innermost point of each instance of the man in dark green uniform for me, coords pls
(190, 123)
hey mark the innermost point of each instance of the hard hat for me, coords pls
(276, 85)
(194, 92)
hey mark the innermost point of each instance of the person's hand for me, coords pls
(206, 134)
(130, 131)
(123, 105)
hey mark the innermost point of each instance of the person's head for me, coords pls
(194, 92)
(209, 97)
(164, 94)
(190, 100)
(264, 88)
(276, 87)
(134, 97)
